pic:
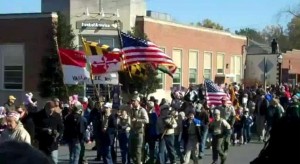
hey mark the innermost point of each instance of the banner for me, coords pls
(108, 78)
(74, 66)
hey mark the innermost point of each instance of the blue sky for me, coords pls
(232, 14)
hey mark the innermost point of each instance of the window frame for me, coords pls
(196, 68)
(221, 54)
(2, 87)
(233, 67)
(178, 67)
(211, 64)
(163, 83)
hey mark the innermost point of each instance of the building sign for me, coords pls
(96, 24)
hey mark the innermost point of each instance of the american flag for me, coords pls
(142, 51)
(214, 94)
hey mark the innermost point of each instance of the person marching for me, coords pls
(150, 134)
(108, 133)
(124, 123)
(74, 132)
(219, 128)
(166, 124)
(227, 112)
(139, 118)
(191, 135)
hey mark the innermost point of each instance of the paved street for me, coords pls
(237, 154)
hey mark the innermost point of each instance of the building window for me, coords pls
(207, 65)
(220, 63)
(177, 78)
(193, 76)
(160, 75)
(176, 55)
(193, 66)
(236, 68)
(112, 41)
(13, 66)
(13, 77)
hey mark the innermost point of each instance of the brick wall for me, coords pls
(170, 35)
(34, 34)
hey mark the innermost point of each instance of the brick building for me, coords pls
(24, 39)
(291, 67)
(198, 52)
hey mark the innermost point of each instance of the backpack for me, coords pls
(248, 120)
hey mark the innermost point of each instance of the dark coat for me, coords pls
(185, 128)
(96, 119)
(109, 134)
(29, 125)
(75, 126)
(48, 141)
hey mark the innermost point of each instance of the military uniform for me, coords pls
(139, 118)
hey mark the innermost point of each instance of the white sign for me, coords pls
(108, 78)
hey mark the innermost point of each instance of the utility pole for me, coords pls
(265, 73)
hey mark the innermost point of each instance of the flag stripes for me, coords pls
(136, 51)
(214, 95)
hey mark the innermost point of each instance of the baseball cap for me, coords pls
(56, 100)
(136, 98)
(217, 111)
(11, 97)
(150, 104)
(107, 105)
(85, 99)
(78, 107)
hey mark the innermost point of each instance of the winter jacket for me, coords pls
(29, 125)
(107, 136)
(75, 126)
(185, 129)
(49, 129)
(18, 134)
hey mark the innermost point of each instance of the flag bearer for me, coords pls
(139, 118)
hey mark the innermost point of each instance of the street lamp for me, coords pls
(279, 61)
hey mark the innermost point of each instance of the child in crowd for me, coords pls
(247, 121)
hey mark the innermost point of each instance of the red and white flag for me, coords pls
(106, 63)
(74, 66)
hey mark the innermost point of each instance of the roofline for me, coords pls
(29, 15)
(203, 29)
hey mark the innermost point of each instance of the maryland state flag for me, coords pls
(138, 70)
(102, 58)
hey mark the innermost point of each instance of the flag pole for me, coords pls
(96, 92)
(121, 46)
(57, 50)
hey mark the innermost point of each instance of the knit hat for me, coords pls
(15, 115)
